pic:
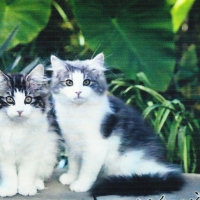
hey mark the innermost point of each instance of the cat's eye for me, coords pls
(28, 100)
(69, 82)
(86, 82)
(10, 100)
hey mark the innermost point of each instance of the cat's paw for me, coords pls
(6, 191)
(27, 190)
(39, 184)
(66, 179)
(80, 186)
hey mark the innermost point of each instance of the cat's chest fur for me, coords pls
(18, 137)
(81, 124)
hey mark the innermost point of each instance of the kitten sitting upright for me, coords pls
(28, 145)
(110, 148)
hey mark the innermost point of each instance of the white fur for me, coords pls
(71, 92)
(131, 162)
(28, 149)
(80, 120)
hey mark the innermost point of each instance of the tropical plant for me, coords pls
(30, 16)
(13, 64)
(136, 36)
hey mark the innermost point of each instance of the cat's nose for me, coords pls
(78, 93)
(20, 112)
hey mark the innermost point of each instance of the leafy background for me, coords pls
(26, 15)
(151, 48)
(136, 36)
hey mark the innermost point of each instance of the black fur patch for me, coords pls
(108, 125)
(2, 103)
(18, 83)
(138, 185)
(39, 102)
(133, 131)
(52, 117)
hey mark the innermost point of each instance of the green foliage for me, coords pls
(187, 75)
(178, 128)
(135, 36)
(14, 63)
(6, 43)
(31, 17)
(180, 12)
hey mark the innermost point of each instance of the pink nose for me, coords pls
(78, 93)
(20, 112)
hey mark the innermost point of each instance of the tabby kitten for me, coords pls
(28, 145)
(110, 148)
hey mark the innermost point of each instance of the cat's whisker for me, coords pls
(96, 50)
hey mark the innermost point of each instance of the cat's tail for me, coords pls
(137, 185)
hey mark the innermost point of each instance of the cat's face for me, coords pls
(20, 94)
(18, 104)
(79, 81)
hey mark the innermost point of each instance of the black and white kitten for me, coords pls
(28, 145)
(110, 148)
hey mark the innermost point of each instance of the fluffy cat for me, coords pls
(110, 148)
(28, 145)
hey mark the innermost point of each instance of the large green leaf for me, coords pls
(30, 15)
(136, 36)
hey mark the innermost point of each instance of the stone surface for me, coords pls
(57, 191)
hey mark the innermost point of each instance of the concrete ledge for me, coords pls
(57, 191)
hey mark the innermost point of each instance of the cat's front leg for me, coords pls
(8, 186)
(92, 162)
(27, 178)
(72, 173)
(39, 183)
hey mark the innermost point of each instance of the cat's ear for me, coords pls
(37, 73)
(98, 61)
(36, 77)
(4, 82)
(57, 64)
(58, 67)
(99, 58)
(3, 77)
